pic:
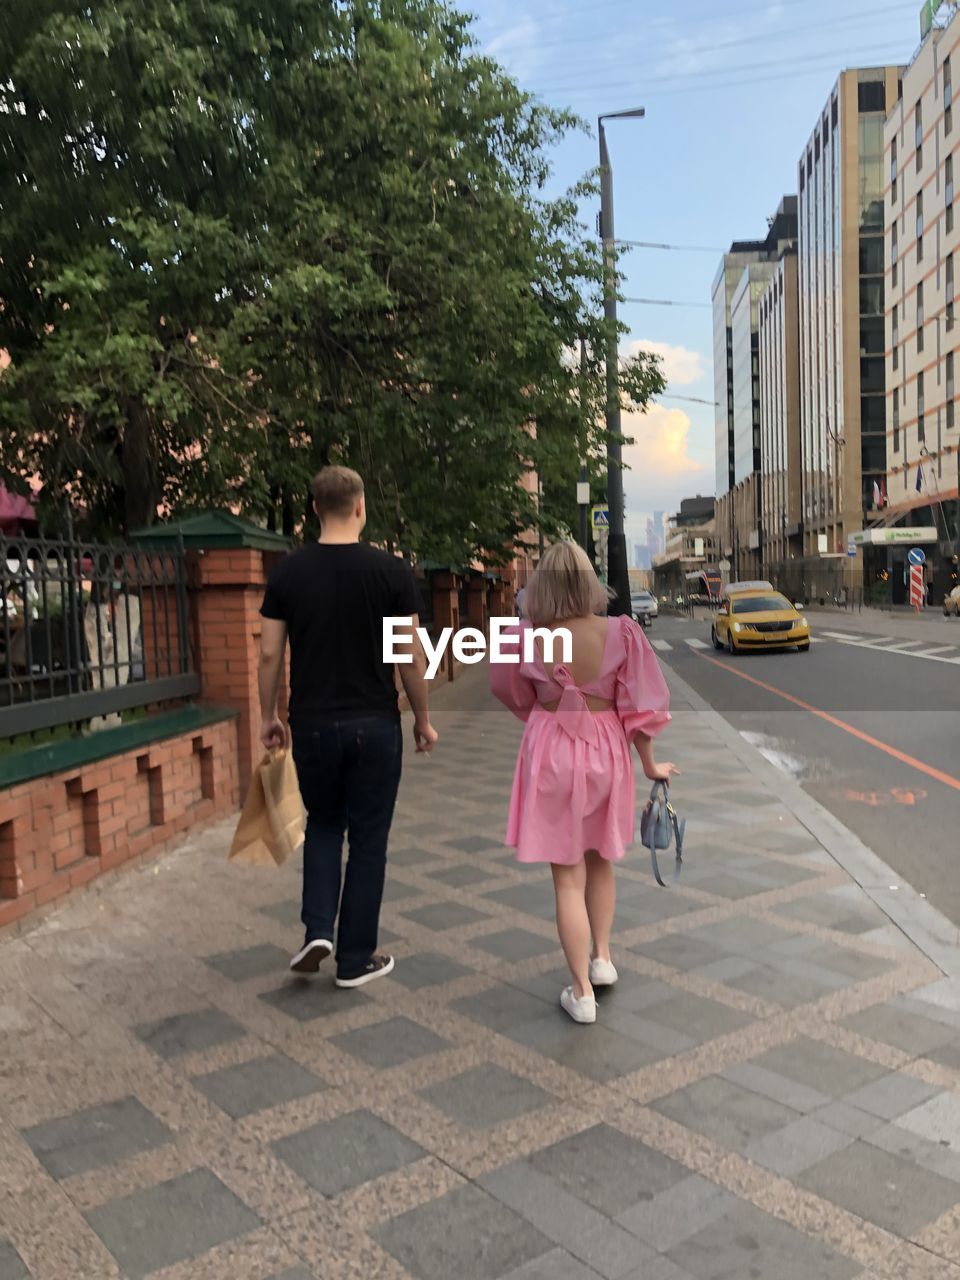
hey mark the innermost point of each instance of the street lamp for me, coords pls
(617, 543)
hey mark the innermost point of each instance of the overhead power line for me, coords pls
(707, 76)
(772, 35)
(665, 302)
(699, 88)
(690, 400)
(678, 248)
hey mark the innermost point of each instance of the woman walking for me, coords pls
(572, 803)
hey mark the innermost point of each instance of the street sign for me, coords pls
(851, 548)
(600, 517)
(583, 492)
(724, 566)
(916, 556)
(883, 537)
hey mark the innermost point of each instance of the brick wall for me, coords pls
(61, 831)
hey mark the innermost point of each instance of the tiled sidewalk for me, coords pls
(769, 1093)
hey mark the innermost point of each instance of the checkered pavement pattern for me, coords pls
(770, 1091)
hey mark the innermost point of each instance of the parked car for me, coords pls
(951, 604)
(758, 619)
(644, 607)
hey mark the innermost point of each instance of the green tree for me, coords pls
(242, 240)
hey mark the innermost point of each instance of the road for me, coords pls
(869, 725)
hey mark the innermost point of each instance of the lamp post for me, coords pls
(583, 483)
(617, 543)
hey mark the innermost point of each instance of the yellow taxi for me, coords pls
(755, 616)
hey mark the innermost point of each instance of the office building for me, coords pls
(690, 549)
(782, 230)
(921, 143)
(780, 493)
(841, 307)
(743, 275)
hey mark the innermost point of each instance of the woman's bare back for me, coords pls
(589, 637)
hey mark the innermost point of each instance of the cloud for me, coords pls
(681, 366)
(662, 464)
(518, 48)
(661, 443)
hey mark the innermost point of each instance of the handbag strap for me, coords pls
(660, 796)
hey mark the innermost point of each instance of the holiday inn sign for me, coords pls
(884, 537)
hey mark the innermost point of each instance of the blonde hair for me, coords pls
(564, 586)
(335, 491)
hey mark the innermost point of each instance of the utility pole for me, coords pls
(617, 576)
(583, 483)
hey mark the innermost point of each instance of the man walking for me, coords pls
(329, 599)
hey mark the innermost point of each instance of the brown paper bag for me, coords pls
(271, 825)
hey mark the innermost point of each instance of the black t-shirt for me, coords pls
(333, 598)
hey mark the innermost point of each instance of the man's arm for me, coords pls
(413, 679)
(273, 643)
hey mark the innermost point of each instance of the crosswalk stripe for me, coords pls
(884, 645)
(695, 643)
(663, 645)
(842, 635)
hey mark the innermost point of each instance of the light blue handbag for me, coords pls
(660, 827)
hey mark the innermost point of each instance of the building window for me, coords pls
(870, 96)
(894, 250)
(951, 408)
(919, 226)
(918, 137)
(947, 96)
(896, 338)
(949, 291)
(896, 419)
(921, 434)
(948, 191)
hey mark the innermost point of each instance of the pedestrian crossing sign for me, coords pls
(600, 517)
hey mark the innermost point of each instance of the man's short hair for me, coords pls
(335, 491)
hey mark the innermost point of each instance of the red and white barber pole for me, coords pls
(917, 590)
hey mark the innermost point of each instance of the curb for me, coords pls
(922, 924)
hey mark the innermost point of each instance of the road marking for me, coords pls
(947, 779)
(696, 643)
(842, 635)
(904, 644)
(945, 648)
(663, 645)
(934, 655)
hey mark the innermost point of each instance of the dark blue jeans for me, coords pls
(349, 772)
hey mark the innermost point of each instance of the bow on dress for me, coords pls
(572, 713)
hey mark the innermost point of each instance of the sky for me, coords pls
(732, 90)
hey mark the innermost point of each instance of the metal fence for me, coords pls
(88, 631)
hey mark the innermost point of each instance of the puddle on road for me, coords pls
(773, 750)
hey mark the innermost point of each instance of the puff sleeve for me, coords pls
(642, 696)
(509, 681)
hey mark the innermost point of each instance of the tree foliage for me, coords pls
(241, 240)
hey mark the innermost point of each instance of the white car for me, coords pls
(643, 605)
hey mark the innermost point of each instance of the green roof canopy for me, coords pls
(213, 529)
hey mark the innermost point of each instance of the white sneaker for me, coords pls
(310, 956)
(583, 1009)
(602, 973)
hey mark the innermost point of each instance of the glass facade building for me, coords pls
(745, 324)
(841, 180)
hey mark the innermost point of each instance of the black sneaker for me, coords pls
(308, 958)
(377, 967)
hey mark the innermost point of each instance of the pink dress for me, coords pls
(573, 786)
